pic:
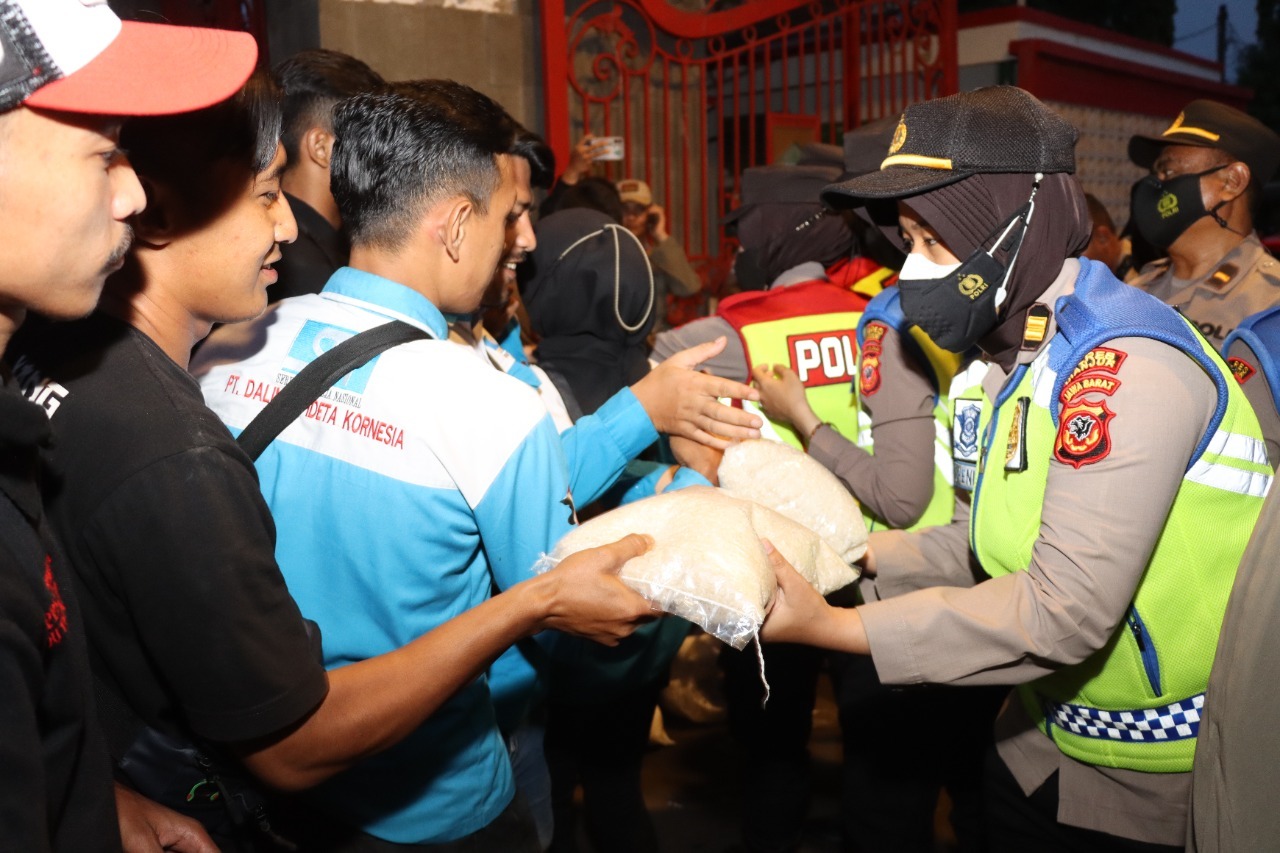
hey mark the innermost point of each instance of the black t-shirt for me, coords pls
(170, 540)
(55, 776)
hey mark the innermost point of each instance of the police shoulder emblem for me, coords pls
(1084, 434)
(899, 136)
(873, 344)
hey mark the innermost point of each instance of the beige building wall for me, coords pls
(490, 45)
(1102, 153)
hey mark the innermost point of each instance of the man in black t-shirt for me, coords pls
(68, 69)
(313, 81)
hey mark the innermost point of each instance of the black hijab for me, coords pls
(588, 289)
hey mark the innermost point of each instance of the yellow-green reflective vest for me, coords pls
(1136, 702)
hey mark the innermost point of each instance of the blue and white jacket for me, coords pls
(402, 496)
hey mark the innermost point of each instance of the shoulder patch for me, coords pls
(1103, 359)
(1084, 435)
(1242, 370)
(872, 347)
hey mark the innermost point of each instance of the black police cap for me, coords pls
(1209, 124)
(999, 129)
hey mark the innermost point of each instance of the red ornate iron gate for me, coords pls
(699, 96)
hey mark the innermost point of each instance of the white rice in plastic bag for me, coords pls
(707, 564)
(791, 482)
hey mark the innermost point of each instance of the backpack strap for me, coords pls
(319, 376)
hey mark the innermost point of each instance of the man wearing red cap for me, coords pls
(68, 70)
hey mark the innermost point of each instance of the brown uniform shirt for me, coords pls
(1099, 526)
(1243, 283)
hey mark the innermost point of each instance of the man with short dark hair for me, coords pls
(70, 71)
(1207, 172)
(429, 477)
(313, 82)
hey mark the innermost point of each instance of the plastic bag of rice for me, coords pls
(707, 564)
(793, 483)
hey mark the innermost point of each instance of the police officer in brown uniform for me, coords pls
(1100, 406)
(1207, 172)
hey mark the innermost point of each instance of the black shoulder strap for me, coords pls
(318, 377)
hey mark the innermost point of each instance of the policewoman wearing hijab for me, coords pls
(1111, 439)
(589, 291)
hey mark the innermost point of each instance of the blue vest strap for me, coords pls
(1103, 308)
(1261, 332)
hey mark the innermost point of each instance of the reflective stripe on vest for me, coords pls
(1215, 468)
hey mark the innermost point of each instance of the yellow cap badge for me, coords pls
(899, 136)
(972, 286)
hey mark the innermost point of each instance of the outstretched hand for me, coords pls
(681, 401)
(782, 397)
(589, 600)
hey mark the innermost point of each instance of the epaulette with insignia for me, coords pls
(1223, 275)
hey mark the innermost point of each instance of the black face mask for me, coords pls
(1164, 210)
(960, 308)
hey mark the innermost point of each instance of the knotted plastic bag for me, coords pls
(798, 486)
(707, 564)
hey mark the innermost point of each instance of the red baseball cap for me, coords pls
(78, 56)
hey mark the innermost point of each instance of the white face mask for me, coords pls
(920, 268)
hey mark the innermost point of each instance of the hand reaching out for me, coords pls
(681, 401)
(799, 614)
(783, 398)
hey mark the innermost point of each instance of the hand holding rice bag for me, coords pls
(707, 564)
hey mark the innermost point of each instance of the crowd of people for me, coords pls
(304, 371)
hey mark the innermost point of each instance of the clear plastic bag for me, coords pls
(798, 486)
(707, 564)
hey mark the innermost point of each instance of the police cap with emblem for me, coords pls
(78, 56)
(996, 130)
(1209, 124)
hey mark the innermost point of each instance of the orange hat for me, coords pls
(77, 56)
